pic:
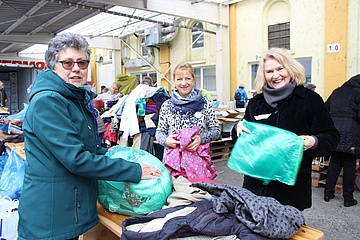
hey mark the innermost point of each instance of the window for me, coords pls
(145, 51)
(206, 78)
(253, 69)
(304, 61)
(307, 65)
(153, 76)
(279, 35)
(197, 35)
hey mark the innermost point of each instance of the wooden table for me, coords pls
(113, 222)
(4, 136)
(19, 148)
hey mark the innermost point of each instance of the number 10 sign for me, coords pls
(333, 47)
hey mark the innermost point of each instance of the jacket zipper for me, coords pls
(277, 112)
(77, 205)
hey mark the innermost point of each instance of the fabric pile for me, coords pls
(134, 115)
(215, 210)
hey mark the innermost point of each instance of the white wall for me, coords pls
(306, 33)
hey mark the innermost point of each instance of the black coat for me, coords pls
(344, 108)
(303, 113)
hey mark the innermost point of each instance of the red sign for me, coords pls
(40, 65)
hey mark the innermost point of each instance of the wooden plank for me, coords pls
(111, 221)
(19, 148)
(4, 135)
(308, 233)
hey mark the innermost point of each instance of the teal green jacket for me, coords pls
(59, 194)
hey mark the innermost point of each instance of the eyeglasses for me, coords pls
(69, 64)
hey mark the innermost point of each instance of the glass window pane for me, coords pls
(153, 76)
(209, 79)
(198, 78)
(279, 35)
(307, 65)
(254, 68)
(196, 33)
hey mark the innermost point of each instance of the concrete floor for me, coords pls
(332, 218)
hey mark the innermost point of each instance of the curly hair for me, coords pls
(63, 41)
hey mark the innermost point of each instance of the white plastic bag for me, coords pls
(9, 218)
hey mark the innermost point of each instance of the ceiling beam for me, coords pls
(210, 12)
(34, 9)
(30, 39)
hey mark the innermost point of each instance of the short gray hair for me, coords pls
(63, 41)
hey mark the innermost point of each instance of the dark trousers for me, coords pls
(240, 104)
(339, 160)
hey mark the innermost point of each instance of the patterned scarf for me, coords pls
(192, 103)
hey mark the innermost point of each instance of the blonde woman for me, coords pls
(284, 102)
(186, 109)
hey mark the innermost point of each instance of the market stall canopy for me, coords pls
(24, 23)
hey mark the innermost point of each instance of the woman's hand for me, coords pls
(240, 128)
(149, 172)
(171, 141)
(194, 145)
(309, 141)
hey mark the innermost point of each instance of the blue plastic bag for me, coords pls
(268, 153)
(135, 198)
(12, 176)
(3, 160)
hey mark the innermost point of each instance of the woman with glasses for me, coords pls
(59, 194)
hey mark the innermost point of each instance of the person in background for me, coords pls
(112, 94)
(13, 123)
(148, 81)
(283, 101)
(311, 86)
(64, 163)
(186, 108)
(240, 97)
(344, 107)
(3, 97)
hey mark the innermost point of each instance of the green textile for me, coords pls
(268, 153)
(127, 83)
(207, 94)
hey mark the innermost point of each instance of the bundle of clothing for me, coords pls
(216, 210)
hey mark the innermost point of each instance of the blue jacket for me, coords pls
(58, 199)
(243, 95)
